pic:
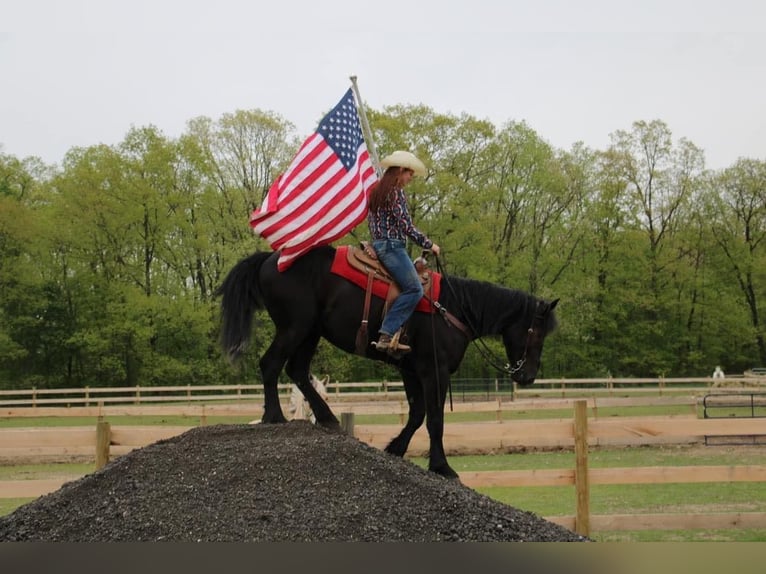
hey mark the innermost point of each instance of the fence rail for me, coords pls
(395, 405)
(463, 389)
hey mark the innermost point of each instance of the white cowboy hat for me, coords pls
(404, 159)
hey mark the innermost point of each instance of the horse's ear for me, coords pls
(553, 304)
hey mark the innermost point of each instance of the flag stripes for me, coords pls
(323, 193)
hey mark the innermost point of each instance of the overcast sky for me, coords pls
(82, 72)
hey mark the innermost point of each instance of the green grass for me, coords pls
(671, 455)
(42, 471)
(637, 499)
(728, 535)
(8, 505)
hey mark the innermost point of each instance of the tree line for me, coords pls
(109, 262)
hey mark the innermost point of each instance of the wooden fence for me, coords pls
(501, 407)
(380, 390)
(579, 432)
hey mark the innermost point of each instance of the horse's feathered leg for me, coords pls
(298, 369)
(271, 364)
(417, 413)
(435, 395)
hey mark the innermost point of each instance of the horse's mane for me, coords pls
(488, 307)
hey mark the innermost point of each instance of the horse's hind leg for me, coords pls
(414, 391)
(271, 364)
(298, 369)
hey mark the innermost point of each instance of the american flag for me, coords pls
(323, 194)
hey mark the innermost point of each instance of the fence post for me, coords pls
(582, 488)
(347, 423)
(103, 440)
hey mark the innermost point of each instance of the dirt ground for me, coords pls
(291, 482)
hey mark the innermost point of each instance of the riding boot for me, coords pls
(390, 344)
(383, 343)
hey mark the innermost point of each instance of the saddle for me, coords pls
(364, 260)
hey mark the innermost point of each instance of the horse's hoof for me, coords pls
(273, 420)
(395, 449)
(331, 425)
(445, 471)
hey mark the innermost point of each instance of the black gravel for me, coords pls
(290, 482)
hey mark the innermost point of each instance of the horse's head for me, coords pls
(320, 385)
(524, 342)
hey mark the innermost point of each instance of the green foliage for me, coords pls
(108, 265)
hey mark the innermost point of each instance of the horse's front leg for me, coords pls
(417, 413)
(436, 392)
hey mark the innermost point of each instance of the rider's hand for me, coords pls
(436, 249)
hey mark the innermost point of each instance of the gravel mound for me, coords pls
(290, 482)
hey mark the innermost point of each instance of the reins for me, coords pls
(486, 353)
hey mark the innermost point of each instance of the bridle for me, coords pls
(486, 353)
(492, 360)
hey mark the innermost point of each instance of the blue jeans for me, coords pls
(394, 256)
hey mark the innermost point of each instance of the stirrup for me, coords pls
(396, 347)
(391, 345)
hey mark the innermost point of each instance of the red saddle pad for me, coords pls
(340, 266)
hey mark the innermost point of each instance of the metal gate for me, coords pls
(735, 405)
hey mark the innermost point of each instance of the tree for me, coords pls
(660, 181)
(23, 251)
(737, 214)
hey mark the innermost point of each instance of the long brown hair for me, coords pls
(382, 194)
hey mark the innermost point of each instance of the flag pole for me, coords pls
(366, 127)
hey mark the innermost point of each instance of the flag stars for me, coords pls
(342, 131)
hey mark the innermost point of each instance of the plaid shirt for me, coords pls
(395, 222)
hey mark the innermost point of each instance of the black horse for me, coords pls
(308, 301)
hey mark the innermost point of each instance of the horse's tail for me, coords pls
(241, 296)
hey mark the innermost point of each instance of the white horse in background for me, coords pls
(299, 406)
(718, 373)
